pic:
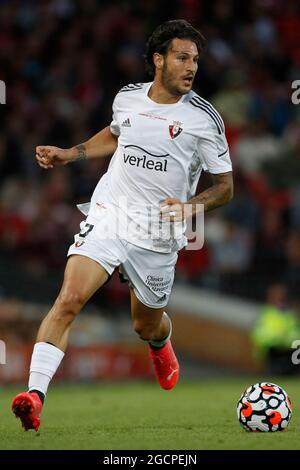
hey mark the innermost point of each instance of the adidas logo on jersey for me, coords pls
(126, 123)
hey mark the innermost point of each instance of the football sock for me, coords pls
(45, 361)
(159, 344)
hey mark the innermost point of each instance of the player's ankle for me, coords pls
(40, 394)
(159, 344)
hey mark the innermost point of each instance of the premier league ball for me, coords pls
(264, 407)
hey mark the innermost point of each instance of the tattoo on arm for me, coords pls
(217, 195)
(213, 197)
(81, 152)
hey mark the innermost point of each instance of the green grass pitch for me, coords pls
(195, 415)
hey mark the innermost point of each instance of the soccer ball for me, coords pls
(264, 407)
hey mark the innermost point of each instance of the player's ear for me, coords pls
(158, 60)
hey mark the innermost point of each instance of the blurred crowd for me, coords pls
(64, 60)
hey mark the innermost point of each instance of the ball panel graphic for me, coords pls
(264, 407)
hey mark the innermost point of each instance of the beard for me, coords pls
(169, 83)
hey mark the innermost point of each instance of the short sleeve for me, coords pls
(214, 151)
(114, 125)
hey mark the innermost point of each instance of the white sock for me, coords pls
(162, 342)
(45, 361)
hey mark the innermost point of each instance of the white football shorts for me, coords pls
(149, 273)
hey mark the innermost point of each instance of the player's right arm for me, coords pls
(102, 144)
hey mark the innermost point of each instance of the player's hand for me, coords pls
(48, 156)
(172, 209)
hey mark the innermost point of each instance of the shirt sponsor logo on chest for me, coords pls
(141, 158)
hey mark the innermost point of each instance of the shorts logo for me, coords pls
(100, 205)
(78, 244)
(175, 129)
(162, 299)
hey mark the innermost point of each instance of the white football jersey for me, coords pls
(162, 149)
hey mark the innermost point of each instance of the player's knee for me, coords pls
(68, 304)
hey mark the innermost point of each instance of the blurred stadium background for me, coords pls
(236, 303)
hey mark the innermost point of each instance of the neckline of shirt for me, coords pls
(161, 104)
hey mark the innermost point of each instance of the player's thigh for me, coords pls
(83, 277)
(142, 314)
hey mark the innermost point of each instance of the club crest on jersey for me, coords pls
(175, 129)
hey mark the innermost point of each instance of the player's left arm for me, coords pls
(214, 155)
(217, 195)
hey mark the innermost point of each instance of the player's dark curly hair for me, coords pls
(161, 39)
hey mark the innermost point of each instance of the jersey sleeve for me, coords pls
(213, 150)
(114, 125)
